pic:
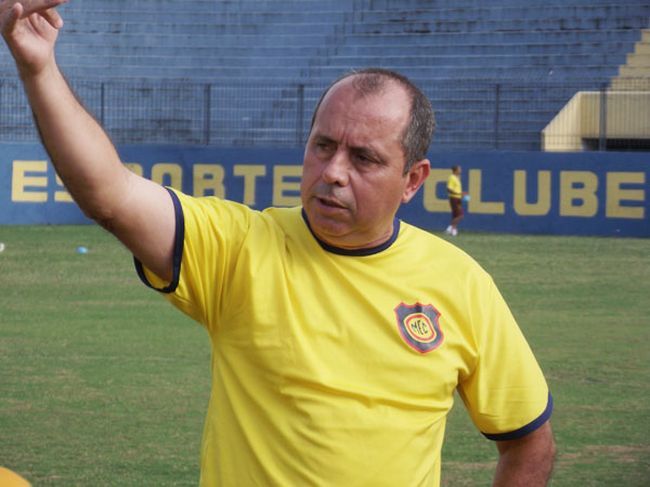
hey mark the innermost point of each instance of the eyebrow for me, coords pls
(367, 152)
(359, 150)
(323, 138)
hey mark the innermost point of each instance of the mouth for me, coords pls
(330, 203)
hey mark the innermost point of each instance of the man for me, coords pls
(455, 193)
(337, 344)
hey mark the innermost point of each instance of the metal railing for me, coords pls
(470, 115)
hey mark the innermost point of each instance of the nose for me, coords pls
(336, 169)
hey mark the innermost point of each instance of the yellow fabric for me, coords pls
(454, 187)
(9, 478)
(313, 381)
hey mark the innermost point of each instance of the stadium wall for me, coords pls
(592, 193)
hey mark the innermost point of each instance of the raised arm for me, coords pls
(527, 461)
(137, 211)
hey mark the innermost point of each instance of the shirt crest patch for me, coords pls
(419, 326)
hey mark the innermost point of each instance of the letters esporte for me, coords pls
(569, 193)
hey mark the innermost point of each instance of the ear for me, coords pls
(415, 178)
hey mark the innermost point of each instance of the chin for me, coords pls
(327, 228)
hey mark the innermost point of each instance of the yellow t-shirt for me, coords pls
(454, 187)
(338, 368)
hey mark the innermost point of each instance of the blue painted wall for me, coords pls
(516, 192)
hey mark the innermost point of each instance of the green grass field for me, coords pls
(103, 383)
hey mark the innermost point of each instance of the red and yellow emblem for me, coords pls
(419, 326)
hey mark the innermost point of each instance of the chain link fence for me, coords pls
(470, 115)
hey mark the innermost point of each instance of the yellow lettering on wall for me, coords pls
(282, 186)
(172, 172)
(61, 195)
(250, 172)
(581, 186)
(476, 204)
(208, 180)
(20, 182)
(135, 168)
(543, 204)
(616, 194)
(431, 202)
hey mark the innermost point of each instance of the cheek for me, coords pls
(369, 198)
(309, 174)
(378, 197)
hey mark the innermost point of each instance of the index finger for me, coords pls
(31, 6)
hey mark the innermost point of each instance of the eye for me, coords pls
(323, 145)
(364, 158)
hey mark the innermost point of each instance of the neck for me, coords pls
(369, 247)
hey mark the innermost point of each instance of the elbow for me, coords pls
(107, 223)
(104, 215)
(106, 205)
(551, 454)
(100, 214)
(549, 447)
(527, 461)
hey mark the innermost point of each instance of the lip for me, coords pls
(330, 203)
(329, 207)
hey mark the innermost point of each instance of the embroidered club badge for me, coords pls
(419, 326)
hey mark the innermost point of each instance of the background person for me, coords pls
(336, 351)
(456, 195)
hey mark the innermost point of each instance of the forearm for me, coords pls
(137, 211)
(80, 150)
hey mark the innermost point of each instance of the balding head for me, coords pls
(418, 132)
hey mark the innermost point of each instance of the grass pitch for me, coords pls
(102, 383)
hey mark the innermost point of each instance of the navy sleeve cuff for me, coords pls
(529, 428)
(179, 238)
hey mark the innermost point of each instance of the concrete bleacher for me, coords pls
(481, 63)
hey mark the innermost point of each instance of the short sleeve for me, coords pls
(209, 232)
(506, 393)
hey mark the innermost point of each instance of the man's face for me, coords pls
(353, 177)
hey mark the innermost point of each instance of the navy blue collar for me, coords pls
(355, 252)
